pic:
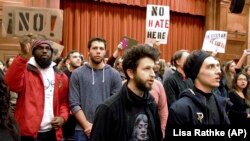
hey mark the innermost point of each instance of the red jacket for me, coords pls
(26, 80)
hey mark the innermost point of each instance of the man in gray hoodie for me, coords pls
(90, 85)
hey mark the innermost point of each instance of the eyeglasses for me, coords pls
(242, 79)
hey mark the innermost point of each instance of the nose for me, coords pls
(45, 49)
(152, 73)
(143, 130)
(78, 57)
(218, 70)
(98, 50)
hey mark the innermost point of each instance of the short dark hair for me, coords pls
(99, 39)
(71, 52)
(177, 55)
(133, 55)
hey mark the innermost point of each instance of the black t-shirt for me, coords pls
(138, 120)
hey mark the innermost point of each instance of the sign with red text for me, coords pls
(215, 41)
(21, 21)
(157, 24)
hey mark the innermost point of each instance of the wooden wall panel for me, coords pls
(237, 27)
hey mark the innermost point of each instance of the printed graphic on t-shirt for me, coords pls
(49, 85)
(140, 130)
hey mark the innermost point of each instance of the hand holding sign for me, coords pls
(128, 42)
(124, 43)
(25, 44)
(44, 22)
(247, 51)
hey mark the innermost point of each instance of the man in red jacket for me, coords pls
(42, 104)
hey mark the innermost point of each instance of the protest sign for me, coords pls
(215, 41)
(128, 42)
(57, 49)
(43, 22)
(157, 24)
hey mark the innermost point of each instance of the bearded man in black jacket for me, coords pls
(132, 114)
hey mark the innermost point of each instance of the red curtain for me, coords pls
(86, 19)
(194, 7)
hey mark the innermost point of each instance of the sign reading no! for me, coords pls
(20, 21)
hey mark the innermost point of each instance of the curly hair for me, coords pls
(6, 118)
(133, 55)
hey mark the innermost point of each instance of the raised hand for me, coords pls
(25, 44)
(247, 51)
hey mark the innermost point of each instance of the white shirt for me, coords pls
(48, 76)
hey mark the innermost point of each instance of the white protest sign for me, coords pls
(157, 24)
(21, 21)
(215, 41)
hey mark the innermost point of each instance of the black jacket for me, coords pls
(174, 85)
(192, 109)
(110, 123)
(238, 112)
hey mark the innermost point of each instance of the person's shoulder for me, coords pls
(113, 100)
(157, 82)
(113, 72)
(59, 72)
(175, 74)
(80, 69)
(109, 68)
(185, 98)
(170, 80)
(182, 102)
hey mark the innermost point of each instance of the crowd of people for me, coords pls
(133, 97)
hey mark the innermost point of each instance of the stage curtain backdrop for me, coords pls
(86, 19)
(194, 7)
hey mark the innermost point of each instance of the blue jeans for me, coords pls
(80, 136)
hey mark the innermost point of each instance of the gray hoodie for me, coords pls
(89, 87)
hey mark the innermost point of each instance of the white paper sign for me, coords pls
(157, 24)
(21, 21)
(215, 41)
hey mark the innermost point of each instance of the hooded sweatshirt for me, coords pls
(89, 87)
(197, 108)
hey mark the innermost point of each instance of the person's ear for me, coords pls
(130, 73)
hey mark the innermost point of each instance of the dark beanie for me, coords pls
(193, 63)
(39, 42)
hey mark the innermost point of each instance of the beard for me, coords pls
(43, 63)
(96, 61)
(141, 85)
(75, 65)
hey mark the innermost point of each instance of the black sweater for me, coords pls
(111, 119)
